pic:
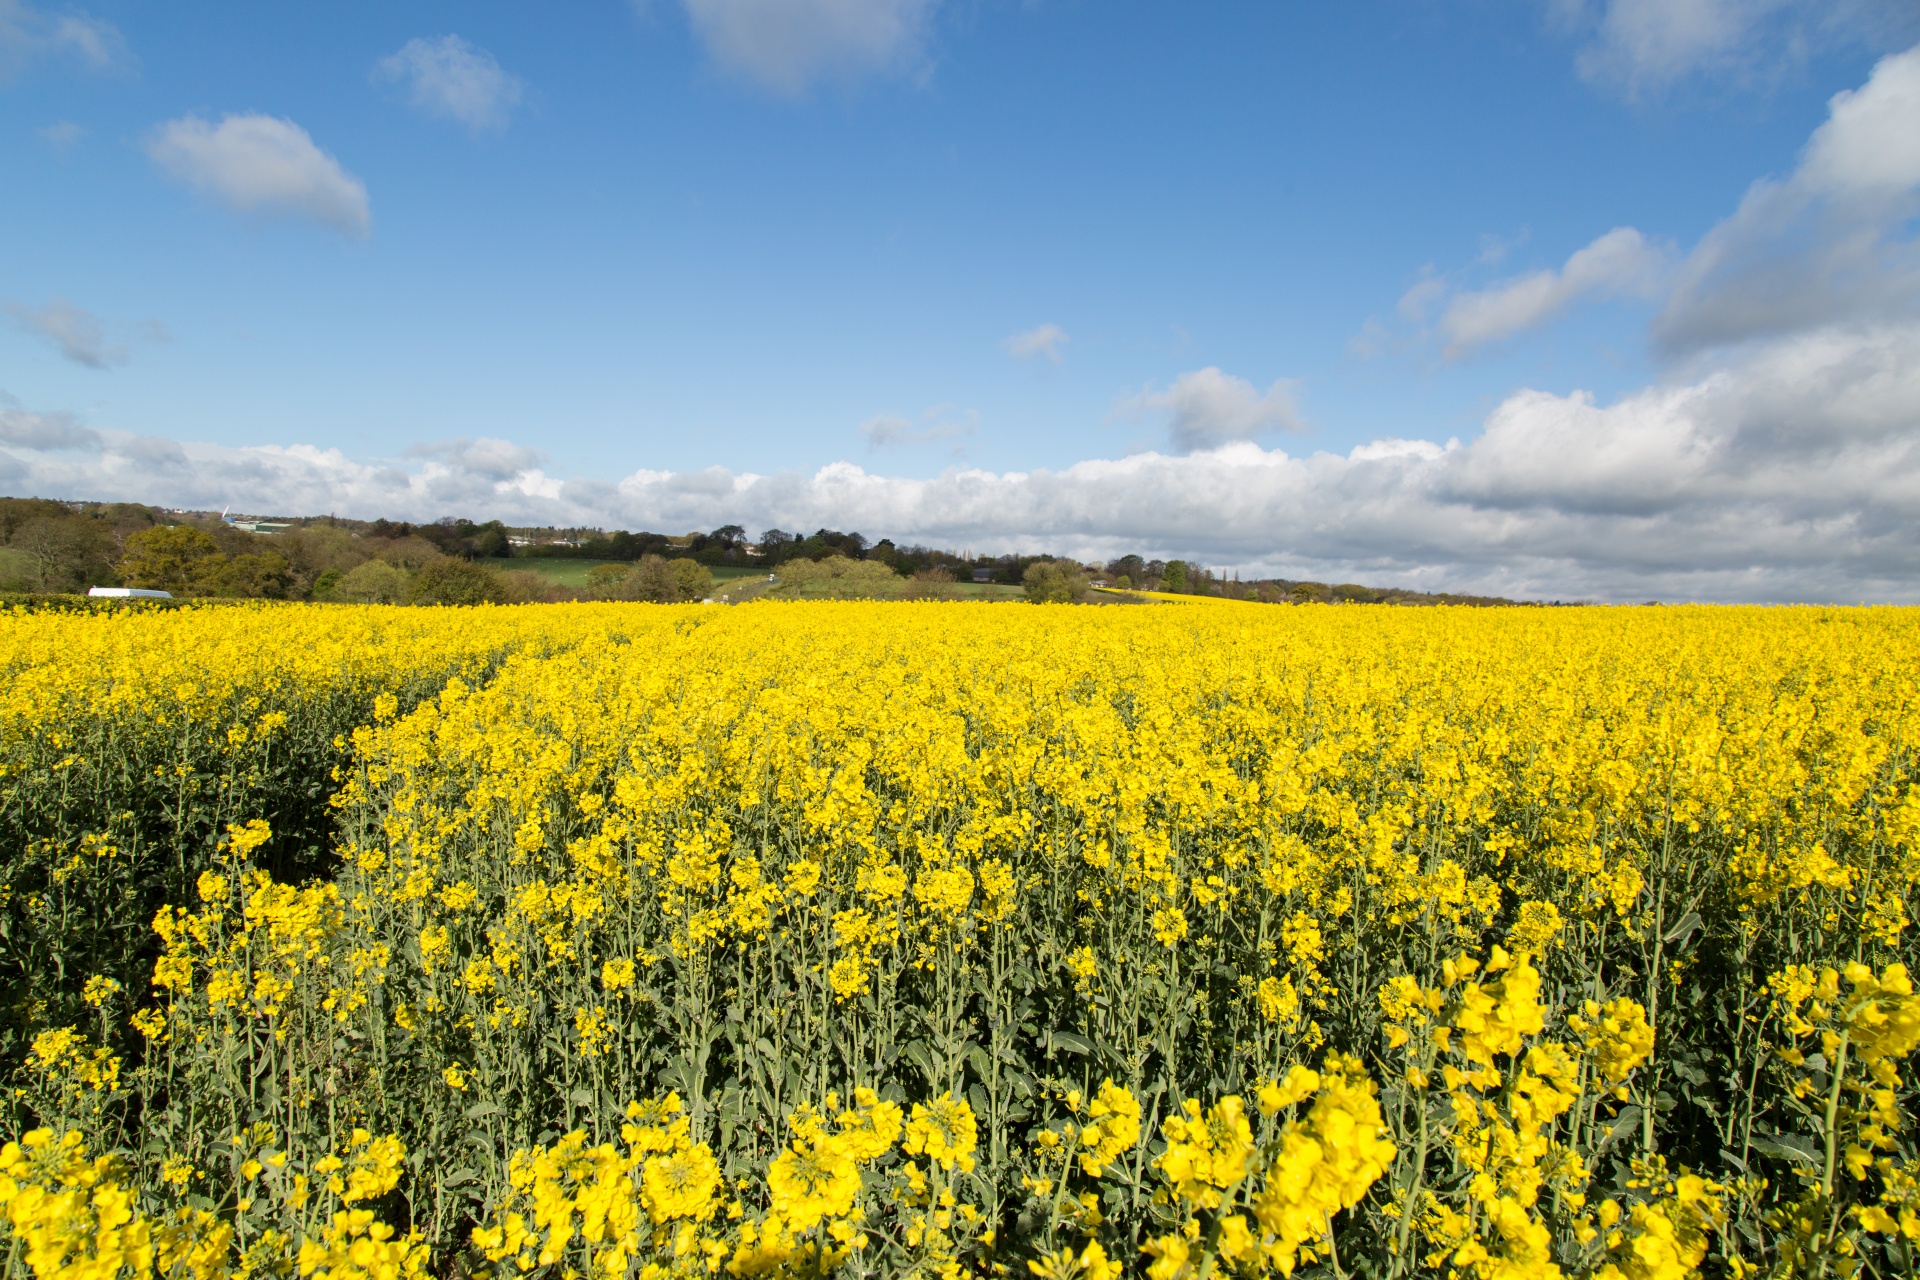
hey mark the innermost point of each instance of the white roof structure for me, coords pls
(122, 593)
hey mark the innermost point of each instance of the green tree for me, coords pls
(374, 582)
(315, 551)
(932, 583)
(1175, 578)
(1054, 582)
(606, 577)
(263, 575)
(838, 578)
(693, 579)
(66, 552)
(665, 581)
(457, 582)
(170, 557)
(15, 512)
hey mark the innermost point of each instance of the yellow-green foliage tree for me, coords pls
(661, 581)
(187, 561)
(1055, 582)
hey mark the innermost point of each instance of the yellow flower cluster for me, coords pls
(966, 938)
(130, 740)
(1261, 1204)
(1520, 1112)
(83, 1219)
(660, 1202)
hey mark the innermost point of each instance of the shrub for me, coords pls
(663, 581)
(374, 582)
(838, 578)
(932, 584)
(458, 582)
(524, 586)
(605, 577)
(1055, 582)
(327, 584)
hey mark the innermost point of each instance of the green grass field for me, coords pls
(16, 569)
(732, 583)
(573, 573)
(754, 585)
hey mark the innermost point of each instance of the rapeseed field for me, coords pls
(936, 939)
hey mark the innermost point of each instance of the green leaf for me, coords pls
(1684, 926)
(1788, 1146)
(1070, 1042)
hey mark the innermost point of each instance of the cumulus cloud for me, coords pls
(28, 35)
(75, 330)
(43, 432)
(454, 80)
(1792, 472)
(265, 165)
(1830, 243)
(1207, 408)
(1643, 47)
(486, 457)
(787, 45)
(1619, 262)
(1042, 342)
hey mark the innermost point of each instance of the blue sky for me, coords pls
(1011, 274)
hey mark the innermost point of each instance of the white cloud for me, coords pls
(43, 432)
(1421, 297)
(28, 35)
(1644, 44)
(454, 80)
(937, 423)
(486, 457)
(63, 136)
(1831, 243)
(1619, 262)
(1869, 146)
(1792, 472)
(262, 164)
(1043, 341)
(787, 45)
(75, 330)
(1206, 408)
(1644, 47)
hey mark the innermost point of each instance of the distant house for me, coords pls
(123, 593)
(983, 575)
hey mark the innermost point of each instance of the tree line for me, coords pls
(54, 547)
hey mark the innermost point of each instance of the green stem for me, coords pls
(1833, 1111)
